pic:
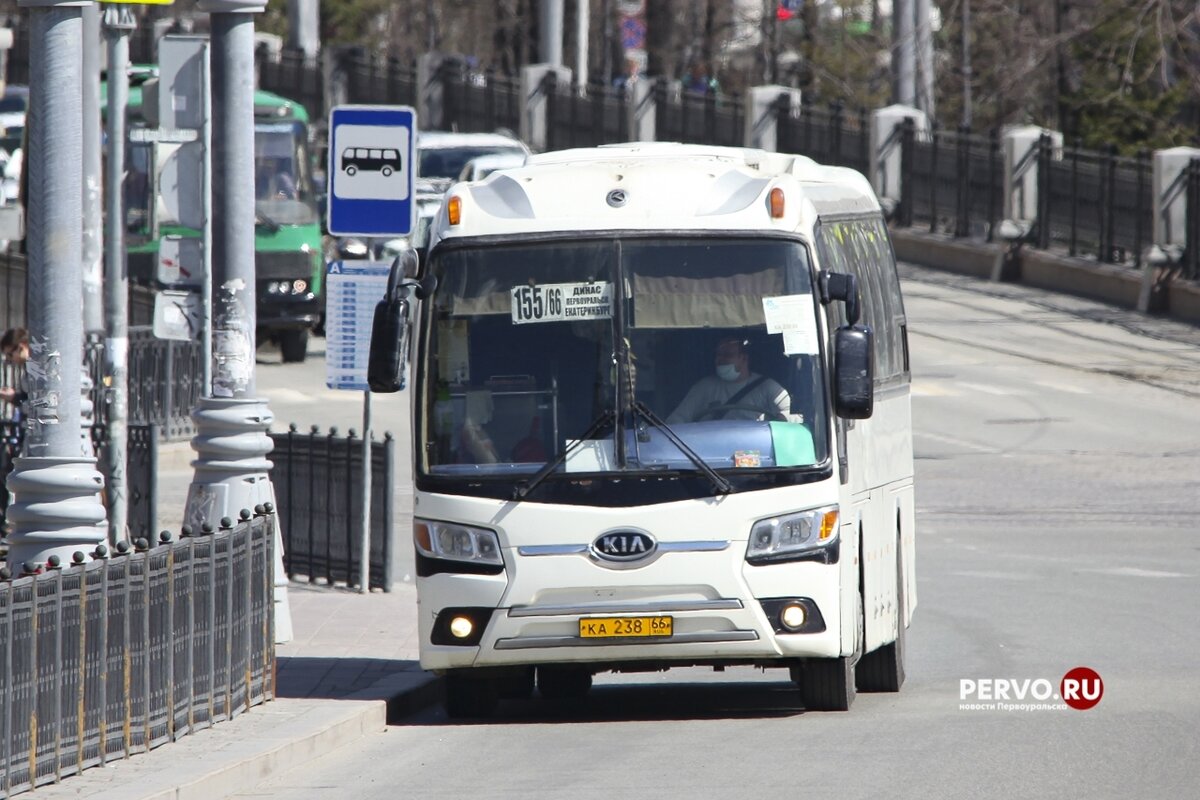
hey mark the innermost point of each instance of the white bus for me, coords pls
(661, 419)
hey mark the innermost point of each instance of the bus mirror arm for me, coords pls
(840, 286)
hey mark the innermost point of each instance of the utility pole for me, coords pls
(119, 23)
(924, 43)
(93, 261)
(56, 509)
(231, 442)
(966, 64)
(903, 59)
(550, 32)
(304, 27)
(581, 42)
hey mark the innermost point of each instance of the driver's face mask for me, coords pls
(727, 372)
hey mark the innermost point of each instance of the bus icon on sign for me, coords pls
(369, 159)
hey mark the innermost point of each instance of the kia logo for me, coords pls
(624, 546)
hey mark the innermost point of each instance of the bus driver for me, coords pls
(734, 392)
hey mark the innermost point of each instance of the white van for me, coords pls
(661, 419)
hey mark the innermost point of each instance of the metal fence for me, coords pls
(318, 479)
(141, 470)
(13, 272)
(118, 655)
(297, 78)
(479, 101)
(829, 135)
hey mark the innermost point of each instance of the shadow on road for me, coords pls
(642, 702)
(333, 678)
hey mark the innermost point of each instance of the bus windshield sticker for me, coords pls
(792, 315)
(558, 302)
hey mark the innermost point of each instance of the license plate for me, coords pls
(624, 627)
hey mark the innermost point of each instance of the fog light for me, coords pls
(461, 627)
(793, 617)
(299, 286)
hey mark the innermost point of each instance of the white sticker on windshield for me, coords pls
(792, 315)
(558, 302)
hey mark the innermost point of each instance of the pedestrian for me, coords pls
(14, 347)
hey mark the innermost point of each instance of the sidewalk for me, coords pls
(351, 666)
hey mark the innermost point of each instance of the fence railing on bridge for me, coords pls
(318, 479)
(117, 654)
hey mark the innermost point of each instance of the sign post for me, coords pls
(371, 175)
(352, 290)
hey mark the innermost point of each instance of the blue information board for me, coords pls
(371, 170)
(352, 290)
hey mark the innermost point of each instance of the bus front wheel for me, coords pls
(468, 696)
(293, 346)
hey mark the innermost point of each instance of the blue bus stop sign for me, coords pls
(371, 170)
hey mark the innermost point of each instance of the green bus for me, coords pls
(288, 242)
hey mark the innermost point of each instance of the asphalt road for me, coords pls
(1058, 499)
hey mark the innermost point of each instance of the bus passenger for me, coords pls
(734, 392)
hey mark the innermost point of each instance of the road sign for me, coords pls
(371, 170)
(352, 290)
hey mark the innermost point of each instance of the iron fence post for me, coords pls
(310, 452)
(351, 571)
(993, 189)
(962, 226)
(1140, 166)
(907, 136)
(835, 132)
(1073, 247)
(1192, 226)
(1110, 190)
(1043, 189)
(934, 134)
(389, 481)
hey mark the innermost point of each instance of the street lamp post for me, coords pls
(231, 442)
(56, 486)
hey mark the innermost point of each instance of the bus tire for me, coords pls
(293, 346)
(469, 697)
(826, 684)
(563, 683)
(882, 670)
(387, 172)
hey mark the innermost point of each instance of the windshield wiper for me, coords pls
(722, 486)
(523, 489)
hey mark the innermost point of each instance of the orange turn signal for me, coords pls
(454, 209)
(775, 202)
(828, 524)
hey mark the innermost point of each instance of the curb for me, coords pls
(294, 732)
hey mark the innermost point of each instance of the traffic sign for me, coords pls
(352, 290)
(371, 170)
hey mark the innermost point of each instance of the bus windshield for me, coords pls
(531, 349)
(283, 187)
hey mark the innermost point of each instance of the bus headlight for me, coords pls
(790, 535)
(454, 542)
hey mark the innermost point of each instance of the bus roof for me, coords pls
(656, 186)
(267, 105)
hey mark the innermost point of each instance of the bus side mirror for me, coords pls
(386, 364)
(840, 286)
(854, 372)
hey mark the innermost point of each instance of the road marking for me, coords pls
(1136, 572)
(925, 389)
(1063, 387)
(937, 437)
(1002, 391)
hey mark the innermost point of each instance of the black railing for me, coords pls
(13, 272)
(698, 118)
(955, 180)
(118, 655)
(381, 81)
(166, 381)
(297, 78)
(141, 471)
(829, 135)
(584, 116)
(478, 102)
(318, 479)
